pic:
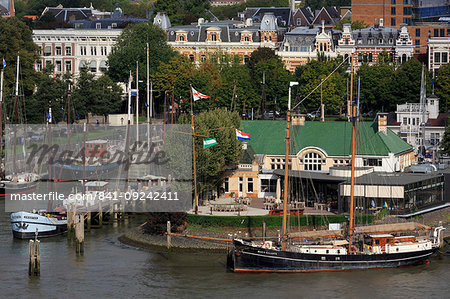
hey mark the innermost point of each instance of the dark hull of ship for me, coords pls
(12, 188)
(72, 172)
(244, 258)
(59, 229)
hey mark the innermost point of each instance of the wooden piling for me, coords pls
(34, 260)
(79, 234)
(88, 221)
(100, 214)
(168, 235)
(70, 221)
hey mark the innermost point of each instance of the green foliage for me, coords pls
(230, 11)
(211, 161)
(51, 92)
(16, 39)
(376, 86)
(383, 86)
(444, 145)
(443, 86)
(355, 25)
(157, 223)
(309, 77)
(318, 4)
(271, 221)
(99, 96)
(131, 48)
(183, 12)
(265, 63)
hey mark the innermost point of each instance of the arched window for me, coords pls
(246, 59)
(213, 37)
(93, 66)
(246, 38)
(313, 161)
(181, 38)
(103, 66)
(370, 57)
(191, 57)
(404, 58)
(203, 58)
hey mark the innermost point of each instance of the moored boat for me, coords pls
(368, 247)
(26, 224)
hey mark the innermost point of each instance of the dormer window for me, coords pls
(213, 37)
(246, 39)
(391, 41)
(380, 41)
(370, 41)
(181, 38)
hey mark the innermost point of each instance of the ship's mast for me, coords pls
(286, 169)
(1, 114)
(352, 181)
(193, 155)
(16, 106)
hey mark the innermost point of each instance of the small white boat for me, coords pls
(26, 224)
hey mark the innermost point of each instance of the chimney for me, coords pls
(382, 123)
(298, 119)
(12, 11)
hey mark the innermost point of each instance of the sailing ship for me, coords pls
(95, 169)
(368, 247)
(17, 182)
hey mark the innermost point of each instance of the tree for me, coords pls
(444, 145)
(443, 86)
(259, 55)
(177, 74)
(211, 161)
(309, 77)
(265, 63)
(16, 39)
(355, 25)
(376, 87)
(98, 96)
(51, 92)
(183, 12)
(406, 83)
(131, 48)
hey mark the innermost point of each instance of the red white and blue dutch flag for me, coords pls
(242, 136)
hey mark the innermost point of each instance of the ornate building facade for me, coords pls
(69, 50)
(201, 40)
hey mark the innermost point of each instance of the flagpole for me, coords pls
(1, 115)
(148, 100)
(193, 156)
(137, 101)
(165, 108)
(129, 99)
(171, 110)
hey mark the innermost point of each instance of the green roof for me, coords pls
(267, 137)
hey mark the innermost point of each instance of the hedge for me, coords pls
(271, 221)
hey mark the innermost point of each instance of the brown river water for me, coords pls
(110, 269)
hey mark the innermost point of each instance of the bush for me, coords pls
(157, 223)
